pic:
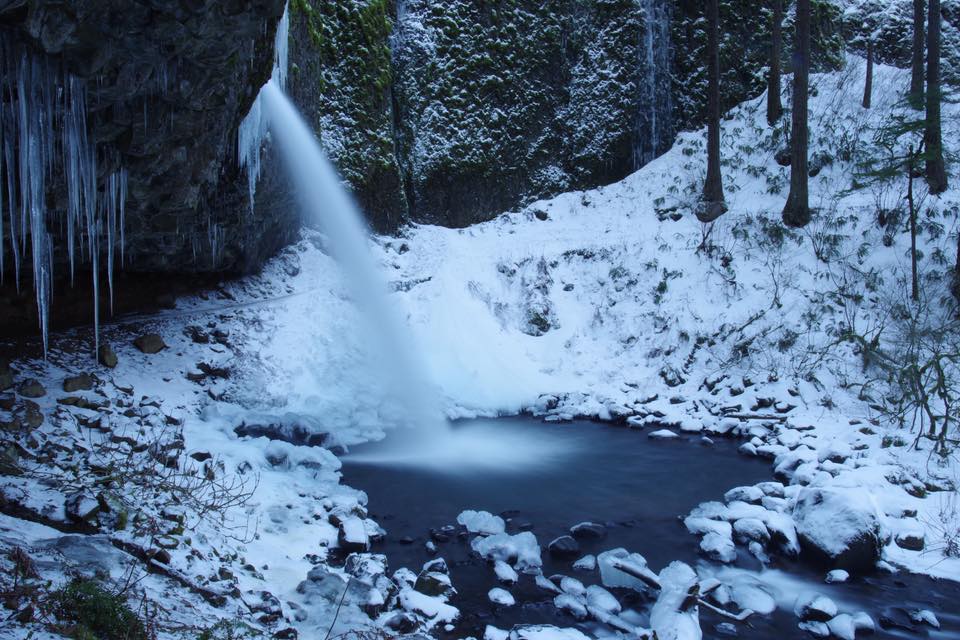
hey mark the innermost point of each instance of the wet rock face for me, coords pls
(168, 82)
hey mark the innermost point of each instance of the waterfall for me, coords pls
(325, 202)
(43, 136)
(653, 130)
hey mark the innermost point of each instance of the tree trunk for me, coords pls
(796, 213)
(713, 205)
(914, 271)
(868, 85)
(916, 66)
(774, 104)
(933, 135)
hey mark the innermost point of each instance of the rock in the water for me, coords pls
(501, 597)
(436, 584)
(838, 527)
(750, 495)
(842, 627)
(150, 343)
(564, 547)
(82, 382)
(925, 616)
(588, 531)
(520, 550)
(31, 389)
(505, 573)
(815, 607)
(837, 576)
(718, 547)
(586, 563)
(571, 604)
(662, 434)
(481, 522)
(106, 356)
(751, 529)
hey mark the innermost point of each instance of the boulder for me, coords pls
(106, 356)
(82, 382)
(838, 528)
(815, 607)
(31, 389)
(588, 531)
(910, 540)
(150, 343)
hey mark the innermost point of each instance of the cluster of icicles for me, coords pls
(43, 135)
(253, 128)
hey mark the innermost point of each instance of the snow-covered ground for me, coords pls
(602, 304)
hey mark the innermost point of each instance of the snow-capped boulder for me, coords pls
(840, 528)
(841, 626)
(501, 597)
(571, 604)
(751, 495)
(815, 607)
(481, 522)
(746, 530)
(505, 573)
(586, 563)
(564, 547)
(837, 576)
(520, 550)
(718, 547)
(619, 568)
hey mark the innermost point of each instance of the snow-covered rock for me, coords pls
(586, 563)
(837, 576)
(545, 632)
(675, 615)
(501, 597)
(620, 568)
(718, 547)
(662, 434)
(815, 607)
(505, 573)
(521, 550)
(840, 527)
(481, 522)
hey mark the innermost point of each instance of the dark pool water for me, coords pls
(636, 486)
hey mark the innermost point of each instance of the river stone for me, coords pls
(750, 495)
(32, 389)
(588, 531)
(150, 343)
(564, 547)
(82, 382)
(81, 507)
(106, 356)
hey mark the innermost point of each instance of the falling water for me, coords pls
(654, 128)
(325, 202)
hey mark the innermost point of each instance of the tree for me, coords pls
(868, 84)
(712, 205)
(916, 66)
(933, 135)
(796, 213)
(774, 105)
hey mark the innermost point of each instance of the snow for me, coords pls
(837, 576)
(481, 522)
(433, 608)
(612, 575)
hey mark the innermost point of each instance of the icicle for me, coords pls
(253, 128)
(123, 213)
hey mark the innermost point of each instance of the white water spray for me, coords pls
(325, 202)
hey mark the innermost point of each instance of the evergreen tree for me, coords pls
(933, 136)
(916, 67)
(796, 213)
(712, 206)
(774, 104)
